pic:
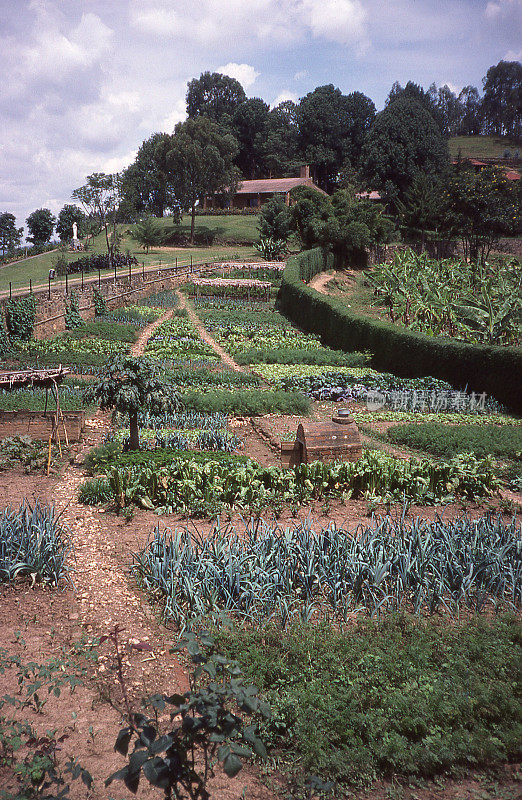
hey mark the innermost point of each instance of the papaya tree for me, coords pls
(130, 386)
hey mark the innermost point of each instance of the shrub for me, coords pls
(270, 249)
(395, 697)
(97, 261)
(72, 313)
(292, 355)
(490, 369)
(100, 306)
(448, 440)
(20, 316)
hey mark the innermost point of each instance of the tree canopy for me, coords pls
(130, 386)
(146, 185)
(403, 142)
(10, 235)
(201, 162)
(214, 95)
(66, 217)
(41, 226)
(502, 102)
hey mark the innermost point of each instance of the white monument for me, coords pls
(75, 241)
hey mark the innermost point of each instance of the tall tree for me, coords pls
(480, 207)
(214, 95)
(502, 101)
(403, 142)
(420, 211)
(145, 184)
(471, 123)
(67, 216)
(101, 196)
(332, 127)
(451, 109)
(249, 125)
(281, 146)
(41, 226)
(10, 235)
(427, 99)
(201, 162)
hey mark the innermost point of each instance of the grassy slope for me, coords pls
(235, 229)
(482, 146)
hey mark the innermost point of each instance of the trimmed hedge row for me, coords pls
(494, 370)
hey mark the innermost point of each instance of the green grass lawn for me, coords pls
(233, 238)
(482, 146)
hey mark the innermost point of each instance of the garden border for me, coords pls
(491, 369)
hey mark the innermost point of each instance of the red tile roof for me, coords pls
(275, 185)
(512, 175)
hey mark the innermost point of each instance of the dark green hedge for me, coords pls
(479, 368)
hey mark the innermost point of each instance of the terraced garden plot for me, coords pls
(176, 339)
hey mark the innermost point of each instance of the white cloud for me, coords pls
(283, 96)
(300, 75)
(178, 114)
(54, 55)
(511, 55)
(156, 20)
(244, 73)
(497, 8)
(266, 22)
(342, 21)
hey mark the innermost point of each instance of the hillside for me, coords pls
(483, 147)
(220, 236)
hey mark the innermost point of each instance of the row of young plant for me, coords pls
(264, 572)
(184, 430)
(205, 489)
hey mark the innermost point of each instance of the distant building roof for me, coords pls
(373, 195)
(275, 185)
(474, 161)
(512, 175)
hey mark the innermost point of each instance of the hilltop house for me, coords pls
(252, 194)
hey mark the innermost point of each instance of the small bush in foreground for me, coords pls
(448, 440)
(395, 697)
(32, 542)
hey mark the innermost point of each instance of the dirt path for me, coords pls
(320, 281)
(206, 337)
(138, 347)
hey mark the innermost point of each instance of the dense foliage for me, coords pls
(398, 697)
(491, 369)
(97, 261)
(20, 316)
(448, 440)
(205, 489)
(451, 298)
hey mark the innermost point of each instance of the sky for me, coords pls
(85, 82)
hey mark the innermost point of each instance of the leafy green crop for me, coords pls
(33, 542)
(266, 571)
(203, 489)
(398, 697)
(448, 440)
